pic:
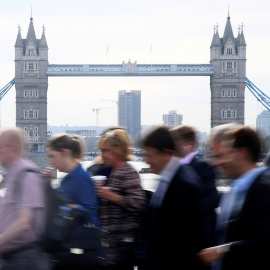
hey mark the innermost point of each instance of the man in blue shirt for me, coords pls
(243, 226)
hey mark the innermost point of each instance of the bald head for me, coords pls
(11, 145)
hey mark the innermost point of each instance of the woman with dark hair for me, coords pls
(64, 152)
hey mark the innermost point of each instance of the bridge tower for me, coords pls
(31, 83)
(227, 84)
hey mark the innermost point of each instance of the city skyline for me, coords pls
(105, 32)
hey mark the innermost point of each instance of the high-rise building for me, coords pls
(129, 111)
(172, 119)
(263, 123)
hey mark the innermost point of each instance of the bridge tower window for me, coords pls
(229, 50)
(25, 114)
(31, 66)
(31, 114)
(229, 65)
(223, 93)
(229, 93)
(223, 114)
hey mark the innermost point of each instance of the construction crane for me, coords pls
(116, 102)
(112, 100)
(97, 116)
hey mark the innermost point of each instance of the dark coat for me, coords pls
(210, 198)
(175, 228)
(249, 229)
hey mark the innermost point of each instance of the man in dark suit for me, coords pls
(243, 226)
(186, 142)
(174, 217)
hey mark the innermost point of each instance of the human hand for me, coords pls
(103, 192)
(47, 173)
(210, 255)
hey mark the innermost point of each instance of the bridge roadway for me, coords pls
(131, 69)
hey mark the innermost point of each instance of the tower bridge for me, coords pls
(227, 72)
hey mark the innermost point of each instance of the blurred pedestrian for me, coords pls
(122, 200)
(65, 151)
(22, 207)
(214, 142)
(186, 142)
(243, 225)
(174, 215)
(98, 167)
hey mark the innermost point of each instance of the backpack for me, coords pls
(60, 218)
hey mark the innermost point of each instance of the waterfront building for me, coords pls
(90, 139)
(263, 123)
(172, 119)
(129, 111)
(228, 57)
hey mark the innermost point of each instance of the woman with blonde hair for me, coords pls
(122, 199)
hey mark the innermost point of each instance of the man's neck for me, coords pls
(11, 161)
(246, 168)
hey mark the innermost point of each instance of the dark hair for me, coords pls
(244, 137)
(184, 132)
(159, 138)
(74, 143)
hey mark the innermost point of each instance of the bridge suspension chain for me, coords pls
(6, 88)
(258, 94)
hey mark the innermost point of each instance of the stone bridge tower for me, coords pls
(228, 57)
(31, 83)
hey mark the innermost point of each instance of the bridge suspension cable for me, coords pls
(258, 94)
(6, 88)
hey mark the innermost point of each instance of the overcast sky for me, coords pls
(179, 31)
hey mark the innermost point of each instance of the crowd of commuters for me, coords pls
(184, 224)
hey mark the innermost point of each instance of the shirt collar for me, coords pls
(170, 169)
(187, 159)
(244, 181)
(74, 171)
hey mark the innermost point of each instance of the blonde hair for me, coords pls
(119, 143)
(74, 143)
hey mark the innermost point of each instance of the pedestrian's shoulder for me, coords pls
(187, 174)
(265, 174)
(28, 166)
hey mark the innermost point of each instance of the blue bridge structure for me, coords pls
(130, 69)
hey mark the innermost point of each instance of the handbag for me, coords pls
(86, 248)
